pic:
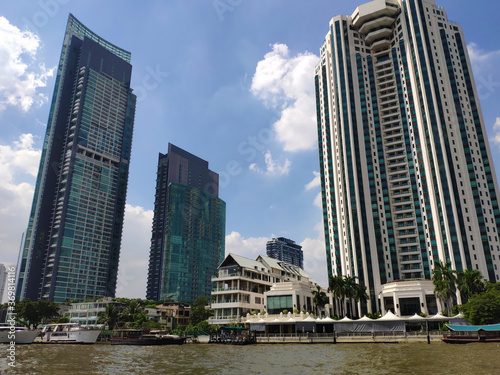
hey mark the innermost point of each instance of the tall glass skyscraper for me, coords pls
(189, 224)
(72, 244)
(407, 175)
(286, 250)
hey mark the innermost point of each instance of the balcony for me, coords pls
(402, 233)
(399, 201)
(410, 258)
(403, 208)
(411, 267)
(408, 241)
(412, 249)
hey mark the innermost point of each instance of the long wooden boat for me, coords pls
(467, 334)
(144, 337)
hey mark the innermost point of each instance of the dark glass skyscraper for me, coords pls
(72, 243)
(285, 250)
(188, 235)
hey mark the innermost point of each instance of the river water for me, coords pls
(403, 358)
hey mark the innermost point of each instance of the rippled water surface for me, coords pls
(408, 358)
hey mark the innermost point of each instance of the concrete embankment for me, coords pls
(345, 339)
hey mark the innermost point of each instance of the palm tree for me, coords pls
(109, 316)
(470, 283)
(350, 288)
(320, 299)
(336, 287)
(360, 293)
(131, 310)
(444, 279)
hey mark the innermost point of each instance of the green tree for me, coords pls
(470, 283)
(444, 280)
(109, 316)
(32, 314)
(131, 311)
(360, 293)
(320, 299)
(350, 290)
(62, 319)
(198, 311)
(336, 287)
(484, 308)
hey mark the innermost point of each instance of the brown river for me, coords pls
(403, 358)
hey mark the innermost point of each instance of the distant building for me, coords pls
(188, 234)
(286, 250)
(87, 313)
(3, 280)
(73, 239)
(171, 316)
(244, 286)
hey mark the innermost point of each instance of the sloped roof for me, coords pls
(242, 262)
(364, 319)
(278, 264)
(416, 317)
(488, 327)
(327, 320)
(345, 319)
(438, 316)
(389, 316)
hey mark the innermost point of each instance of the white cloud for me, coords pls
(286, 84)
(496, 131)
(134, 255)
(478, 55)
(315, 256)
(485, 67)
(316, 182)
(248, 247)
(318, 201)
(20, 76)
(20, 158)
(272, 167)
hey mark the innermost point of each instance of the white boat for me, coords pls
(19, 335)
(68, 333)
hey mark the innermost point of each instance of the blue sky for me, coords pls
(230, 81)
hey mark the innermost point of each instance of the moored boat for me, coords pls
(19, 335)
(68, 333)
(467, 334)
(138, 336)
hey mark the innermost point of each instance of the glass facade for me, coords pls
(276, 304)
(285, 250)
(188, 235)
(73, 239)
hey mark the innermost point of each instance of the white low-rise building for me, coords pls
(244, 286)
(87, 313)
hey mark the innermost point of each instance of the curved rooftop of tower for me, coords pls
(77, 28)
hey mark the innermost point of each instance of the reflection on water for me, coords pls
(408, 358)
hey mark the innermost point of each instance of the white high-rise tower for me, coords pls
(406, 170)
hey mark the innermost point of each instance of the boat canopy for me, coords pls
(488, 327)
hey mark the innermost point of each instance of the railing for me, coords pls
(230, 301)
(351, 336)
(409, 240)
(226, 289)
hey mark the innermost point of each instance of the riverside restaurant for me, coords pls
(304, 325)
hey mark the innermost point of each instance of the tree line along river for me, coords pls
(403, 358)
